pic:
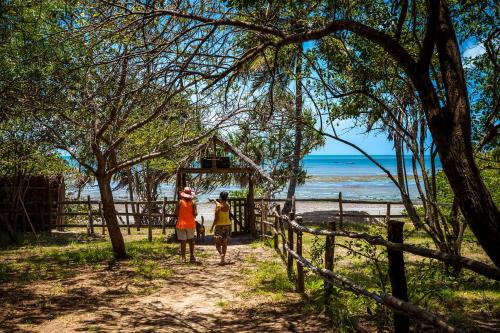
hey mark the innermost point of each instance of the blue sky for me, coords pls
(371, 143)
(377, 144)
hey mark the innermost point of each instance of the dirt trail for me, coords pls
(205, 297)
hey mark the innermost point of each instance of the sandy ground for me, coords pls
(205, 297)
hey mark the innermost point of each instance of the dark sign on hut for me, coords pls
(221, 162)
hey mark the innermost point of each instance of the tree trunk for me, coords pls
(451, 131)
(405, 196)
(297, 149)
(109, 212)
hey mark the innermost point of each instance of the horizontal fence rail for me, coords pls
(489, 271)
(385, 299)
(274, 225)
(158, 214)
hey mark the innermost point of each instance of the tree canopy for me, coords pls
(120, 84)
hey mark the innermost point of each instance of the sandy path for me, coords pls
(197, 298)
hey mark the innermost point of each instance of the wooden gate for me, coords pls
(239, 215)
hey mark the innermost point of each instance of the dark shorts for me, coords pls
(222, 231)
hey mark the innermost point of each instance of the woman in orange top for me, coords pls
(186, 225)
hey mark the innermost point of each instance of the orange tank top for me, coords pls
(185, 218)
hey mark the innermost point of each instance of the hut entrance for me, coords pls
(243, 208)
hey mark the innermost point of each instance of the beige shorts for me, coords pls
(185, 234)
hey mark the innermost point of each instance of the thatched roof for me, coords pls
(247, 161)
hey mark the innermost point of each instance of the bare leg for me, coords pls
(217, 245)
(191, 249)
(183, 251)
(224, 248)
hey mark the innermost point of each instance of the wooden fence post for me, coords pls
(251, 206)
(283, 235)
(300, 268)
(266, 227)
(329, 259)
(101, 214)
(289, 264)
(341, 211)
(235, 214)
(127, 218)
(150, 221)
(90, 229)
(163, 217)
(240, 212)
(262, 220)
(388, 213)
(276, 227)
(138, 216)
(397, 274)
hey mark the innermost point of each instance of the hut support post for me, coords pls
(397, 274)
(183, 180)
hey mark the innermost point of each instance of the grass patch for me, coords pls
(223, 304)
(62, 257)
(257, 244)
(150, 269)
(43, 263)
(269, 278)
(462, 300)
(251, 258)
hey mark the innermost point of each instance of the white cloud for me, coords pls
(474, 51)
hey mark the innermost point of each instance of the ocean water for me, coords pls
(353, 175)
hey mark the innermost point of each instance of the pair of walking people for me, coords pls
(186, 224)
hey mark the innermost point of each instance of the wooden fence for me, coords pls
(157, 214)
(239, 214)
(290, 229)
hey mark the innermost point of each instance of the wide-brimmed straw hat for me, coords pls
(187, 193)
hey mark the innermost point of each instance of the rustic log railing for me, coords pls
(290, 229)
(165, 210)
(92, 209)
